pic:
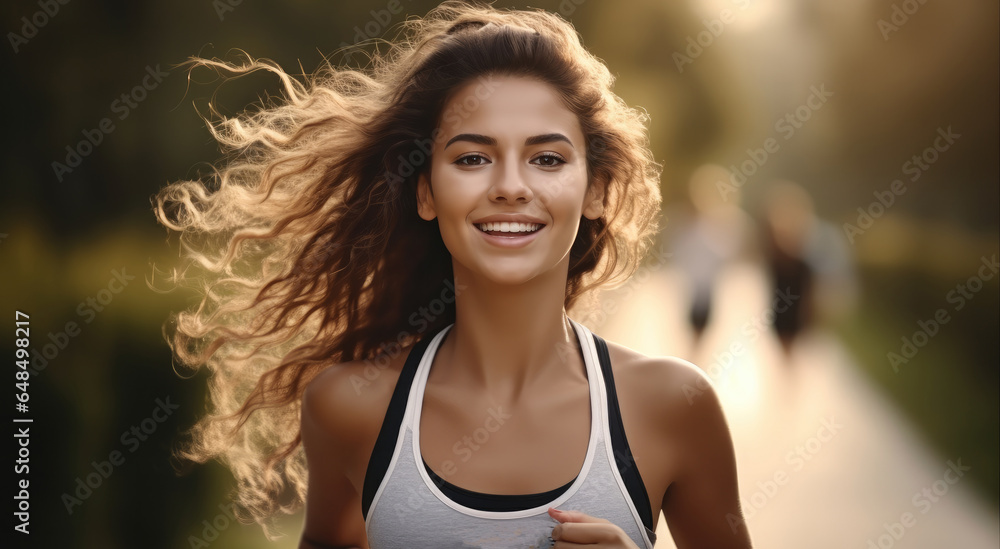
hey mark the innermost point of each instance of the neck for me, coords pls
(507, 338)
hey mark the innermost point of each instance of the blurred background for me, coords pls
(829, 253)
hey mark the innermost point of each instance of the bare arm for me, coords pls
(333, 506)
(702, 505)
(306, 544)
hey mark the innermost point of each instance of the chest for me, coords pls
(535, 446)
(527, 450)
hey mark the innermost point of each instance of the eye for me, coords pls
(473, 159)
(548, 160)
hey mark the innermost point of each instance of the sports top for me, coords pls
(406, 505)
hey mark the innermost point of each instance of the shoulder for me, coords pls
(684, 447)
(341, 416)
(348, 401)
(676, 393)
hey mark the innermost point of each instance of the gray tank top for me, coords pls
(408, 510)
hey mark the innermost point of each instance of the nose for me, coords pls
(509, 185)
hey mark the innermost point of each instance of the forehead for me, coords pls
(508, 106)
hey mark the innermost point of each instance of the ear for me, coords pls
(593, 200)
(425, 198)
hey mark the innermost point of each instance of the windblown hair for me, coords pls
(305, 245)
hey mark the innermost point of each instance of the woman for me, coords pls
(420, 233)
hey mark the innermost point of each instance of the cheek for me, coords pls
(453, 203)
(565, 196)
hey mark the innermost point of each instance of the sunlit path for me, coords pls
(824, 460)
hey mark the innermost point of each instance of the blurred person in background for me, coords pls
(706, 237)
(787, 228)
(811, 270)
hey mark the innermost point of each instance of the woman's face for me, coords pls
(508, 179)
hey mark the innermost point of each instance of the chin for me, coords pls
(509, 277)
(509, 272)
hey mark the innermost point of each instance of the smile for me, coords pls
(509, 235)
(508, 229)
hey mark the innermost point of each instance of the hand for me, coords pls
(576, 529)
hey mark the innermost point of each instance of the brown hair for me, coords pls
(307, 244)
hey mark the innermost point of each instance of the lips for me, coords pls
(509, 218)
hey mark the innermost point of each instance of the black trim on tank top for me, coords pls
(494, 502)
(619, 443)
(385, 444)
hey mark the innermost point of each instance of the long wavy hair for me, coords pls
(304, 243)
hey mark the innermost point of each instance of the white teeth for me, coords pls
(509, 227)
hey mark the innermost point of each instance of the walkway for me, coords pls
(824, 460)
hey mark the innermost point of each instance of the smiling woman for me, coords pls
(486, 154)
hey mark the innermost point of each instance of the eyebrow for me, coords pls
(490, 141)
